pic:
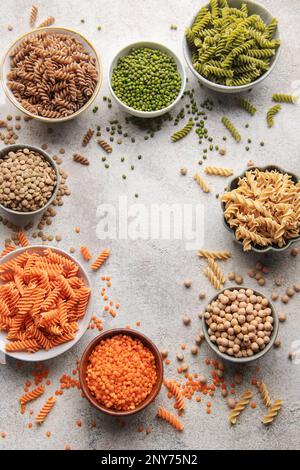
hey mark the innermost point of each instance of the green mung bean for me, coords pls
(146, 79)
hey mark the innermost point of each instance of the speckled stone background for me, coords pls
(147, 275)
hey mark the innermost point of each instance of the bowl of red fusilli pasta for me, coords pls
(51, 74)
(45, 304)
(261, 207)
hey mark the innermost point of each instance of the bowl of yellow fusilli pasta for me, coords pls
(232, 45)
(51, 74)
(261, 207)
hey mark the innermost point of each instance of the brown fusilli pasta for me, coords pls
(51, 74)
(47, 22)
(33, 15)
(105, 145)
(273, 412)
(87, 137)
(80, 159)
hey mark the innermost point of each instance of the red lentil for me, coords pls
(121, 372)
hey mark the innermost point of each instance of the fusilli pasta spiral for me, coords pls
(240, 406)
(201, 182)
(272, 413)
(45, 410)
(217, 171)
(100, 259)
(231, 128)
(170, 418)
(183, 132)
(271, 113)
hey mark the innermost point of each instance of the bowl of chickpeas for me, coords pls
(240, 324)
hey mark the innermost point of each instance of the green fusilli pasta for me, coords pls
(284, 98)
(271, 113)
(247, 106)
(183, 132)
(229, 46)
(231, 128)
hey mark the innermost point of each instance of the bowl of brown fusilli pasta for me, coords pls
(261, 208)
(51, 74)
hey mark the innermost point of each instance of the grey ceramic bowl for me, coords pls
(242, 360)
(233, 184)
(21, 219)
(253, 8)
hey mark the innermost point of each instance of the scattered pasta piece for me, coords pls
(85, 253)
(47, 22)
(23, 239)
(284, 98)
(240, 406)
(177, 393)
(216, 270)
(100, 259)
(45, 410)
(170, 418)
(273, 412)
(217, 171)
(87, 137)
(202, 183)
(81, 159)
(220, 255)
(271, 113)
(33, 16)
(212, 278)
(247, 106)
(32, 395)
(183, 132)
(7, 249)
(231, 128)
(264, 394)
(103, 144)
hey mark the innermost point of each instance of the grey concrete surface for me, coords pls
(147, 275)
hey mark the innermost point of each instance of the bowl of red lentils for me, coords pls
(121, 372)
(240, 324)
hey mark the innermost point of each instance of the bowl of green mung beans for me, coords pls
(232, 45)
(146, 79)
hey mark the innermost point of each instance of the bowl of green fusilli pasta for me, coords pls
(232, 45)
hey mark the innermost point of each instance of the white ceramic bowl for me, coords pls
(5, 68)
(21, 219)
(253, 8)
(83, 323)
(150, 45)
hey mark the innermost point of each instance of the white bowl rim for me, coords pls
(43, 355)
(15, 148)
(236, 88)
(154, 45)
(262, 352)
(18, 105)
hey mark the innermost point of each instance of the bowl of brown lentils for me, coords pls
(240, 324)
(29, 181)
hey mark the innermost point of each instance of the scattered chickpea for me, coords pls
(285, 299)
(194, 350)
(202, 379)
(184, 367)
(164, 353)
(222, 151)
(238, 378)
(290, 292)
(239, 279)
(187, 283)
(296, 287)
(183, 171)
(198, 340)
(277, 343)
(295, 251)
(231, 276)
(202, 295)
(274, 296)
(291, 355)
(231, 402)
(200, 315)
(261, 281)
(282, 317)
(224, 392)
(251, 273)
(179, 356)
(186, 320)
